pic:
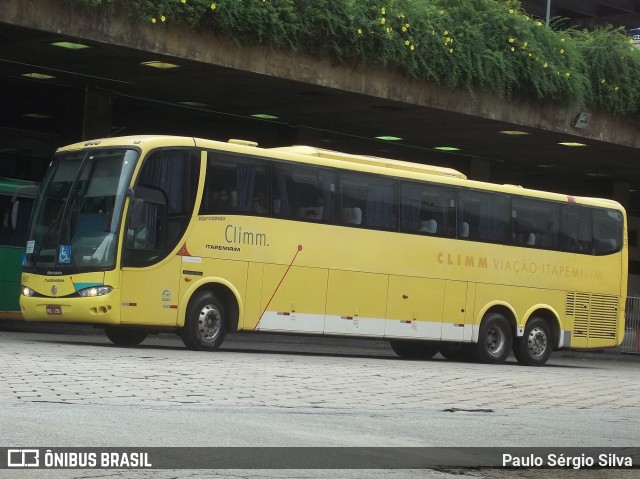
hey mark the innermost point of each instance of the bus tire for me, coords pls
(413, 349)
(456, 351)
(535, 346)
(204, 326)
(494, 340)
(125, 336)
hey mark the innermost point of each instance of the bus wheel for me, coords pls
(456, 351)
(535, 346)
(204, 328)
(125, 336)
(414, 349)
(495, 339)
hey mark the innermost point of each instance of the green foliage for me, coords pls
(473, 44)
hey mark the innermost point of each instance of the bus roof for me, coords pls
(305, 154)
(371, 160)
(15, 187)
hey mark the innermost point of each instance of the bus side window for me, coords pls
(487, 215)
(576, 229)
(607, 231)
(369, 201)
(304, 193)
(535, 223)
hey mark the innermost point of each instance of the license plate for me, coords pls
(54, 309)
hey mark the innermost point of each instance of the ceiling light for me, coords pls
(446, 148)
(70, 45)
(37, 116)
(571, 143)
(546, 166)
(159, 64)
(265, 116)
(38, 76)
(193, 103)
(388, 138)
(514, 132)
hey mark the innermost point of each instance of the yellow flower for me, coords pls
(616, 88)
(163, 18)
(561, 51)
(383, 10)
(450, 50)
(360, 31)
(153, 20)
(545, 65)
(404, 29)
(382, 20)
(406, 42)
(603, 81)
(183, 1)
(511, 10)
(513, 49)
(562, 39)
(213, 6)
(389, 29)
(511, 40)
(539, 24)
(407, 25)
(446, 32)
(413, 48)
(567, 74)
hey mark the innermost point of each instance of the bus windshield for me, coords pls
(79, 209)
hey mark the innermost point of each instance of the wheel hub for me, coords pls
(537, 342)
(495, 341)
(209, 322)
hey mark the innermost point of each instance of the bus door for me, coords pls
(160, 212)
(150, 278)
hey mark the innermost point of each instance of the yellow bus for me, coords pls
(153, 233)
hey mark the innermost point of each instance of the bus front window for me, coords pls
(79, 209)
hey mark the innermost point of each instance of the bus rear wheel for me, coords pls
(535, 346)
(204, 326)
(414, 349)
(494, 340)
(125, 336)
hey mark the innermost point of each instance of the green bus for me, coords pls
(16, 201)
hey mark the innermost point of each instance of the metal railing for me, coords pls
(631, 342)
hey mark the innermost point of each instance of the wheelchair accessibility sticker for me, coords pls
(65, 254)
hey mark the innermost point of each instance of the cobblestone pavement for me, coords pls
(88, 370)
(281, 381)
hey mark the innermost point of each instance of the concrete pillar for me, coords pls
(98, 109)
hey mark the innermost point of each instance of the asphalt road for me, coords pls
(78, 390)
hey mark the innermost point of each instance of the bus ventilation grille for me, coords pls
(594, 315)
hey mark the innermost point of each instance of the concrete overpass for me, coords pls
(217, 88)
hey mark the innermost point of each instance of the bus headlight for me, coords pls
(26, 291)
(95, 291)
